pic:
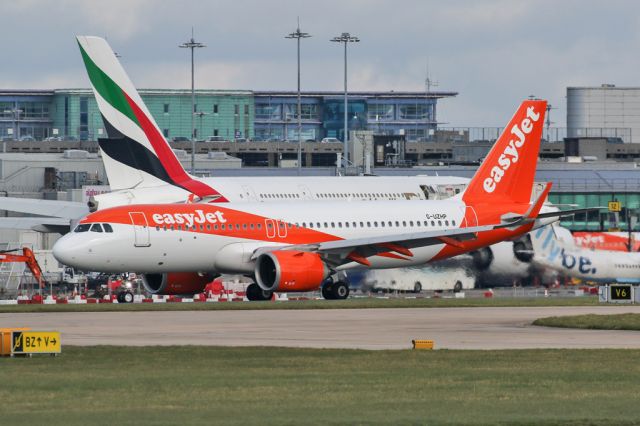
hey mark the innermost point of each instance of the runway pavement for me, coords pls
(452, 328)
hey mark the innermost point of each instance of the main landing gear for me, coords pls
(338, 290)
(254, 292)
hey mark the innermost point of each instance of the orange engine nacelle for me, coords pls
(290, 271)
(175, 282)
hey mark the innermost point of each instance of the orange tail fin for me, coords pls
(508, 171)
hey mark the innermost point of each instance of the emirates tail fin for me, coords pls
(136, 153)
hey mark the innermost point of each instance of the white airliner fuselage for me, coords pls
(554, 248)
(270, 189)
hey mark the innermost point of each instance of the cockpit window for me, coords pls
(108, 228)
(82, 227)
(96, 227)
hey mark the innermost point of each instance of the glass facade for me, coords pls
(25, 116)
(380, 112)
(276, 118)
(322, 114)
(333, 117)
(413, 112)
(218, 113)
(601, 220)
(73, 114)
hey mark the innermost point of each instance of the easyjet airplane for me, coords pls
(290, 246)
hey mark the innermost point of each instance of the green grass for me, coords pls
(359, 303)
(594, 322)
(215, 385)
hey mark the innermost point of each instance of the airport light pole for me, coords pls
(345, 38)
(297, 34)
(192, 44)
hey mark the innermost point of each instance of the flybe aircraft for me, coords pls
(554, 248)
(288, 246)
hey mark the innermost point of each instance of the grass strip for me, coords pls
(258, 385)
(593, 322)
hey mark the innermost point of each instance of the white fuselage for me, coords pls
(161, 247)
(278, 189)
(558, 252)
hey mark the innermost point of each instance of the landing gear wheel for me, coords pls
(119, 298)
(457, 287)
(127, 297)
(417, 287)
(340, 290)
(327, 291)
(254, 293)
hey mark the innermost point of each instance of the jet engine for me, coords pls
(285, 270)
(482, 258)
(523, 249)
(175, 282)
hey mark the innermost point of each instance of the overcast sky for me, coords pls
(494, 53)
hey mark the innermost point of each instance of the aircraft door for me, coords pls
(248, 193)
(140, 229)
(270, 226)
(282, 229)
(305, 193)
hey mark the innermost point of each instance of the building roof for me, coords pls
(367, 94)
(26, 92)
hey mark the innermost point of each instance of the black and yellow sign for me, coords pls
(621, 292)
(615, 206)
(35, 342)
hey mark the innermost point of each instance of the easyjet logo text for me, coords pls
(511, 152)
(198, 217)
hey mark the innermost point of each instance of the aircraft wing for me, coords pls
(571, 212)
(70, 210)
(40, 224)
(358, 249)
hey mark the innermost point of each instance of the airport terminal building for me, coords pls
(72, 114)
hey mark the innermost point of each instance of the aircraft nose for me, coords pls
(65, 251)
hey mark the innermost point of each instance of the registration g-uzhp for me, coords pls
(292, 246)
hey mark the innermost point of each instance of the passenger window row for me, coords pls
(376, 224)
(359, 195)
(209, 227)
(336, 195)
(279, 195)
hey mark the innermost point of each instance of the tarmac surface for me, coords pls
(451, 328)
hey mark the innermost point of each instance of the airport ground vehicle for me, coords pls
(450, 277)
(27, 257)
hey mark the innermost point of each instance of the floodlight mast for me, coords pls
(345, 38)
(192, 44)
(297, 34)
